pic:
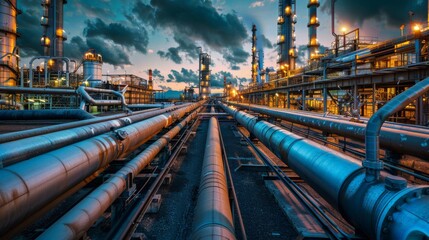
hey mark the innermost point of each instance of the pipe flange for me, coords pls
(376, 165)
(121, 134)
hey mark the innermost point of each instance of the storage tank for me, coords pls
(92, 68)
(8, 51)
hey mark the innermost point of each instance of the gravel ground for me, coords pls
(174, 220)
(262, 217)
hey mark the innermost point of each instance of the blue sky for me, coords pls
(135, 35)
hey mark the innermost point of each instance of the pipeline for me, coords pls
(81, 217)
(212, 214)
(154, 105)
(396, 140)
(12, 152)
(372, 163)
(387, 208)
(83, 91)
(54, 91)
(13, 136)
(29, 185)
(69, 114)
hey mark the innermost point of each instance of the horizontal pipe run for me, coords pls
(13, 136)
(15, 151)
(81, 217)
(72, 114)
(54, 91)
(152, 105)
(29, 185)
(212, 214)
(379, 209)
(396, 140)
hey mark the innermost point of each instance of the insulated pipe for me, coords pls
(372, 163)
(87, 98)
(13, 136)
(29, 185)
(76, 114)
(15, 151)
(81, 217)
(151, 105)
(400, 141)
(383, 209)
(212, 214)
(57, 91)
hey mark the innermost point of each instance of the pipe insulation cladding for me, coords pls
(15, 151)
(397, 140)
(29, 185)
(82, 216)
(384, 209)
(212, 214)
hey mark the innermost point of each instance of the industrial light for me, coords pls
(344, 29)
(416, 28)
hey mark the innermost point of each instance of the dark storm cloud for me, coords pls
(185, 75)
(172, 54)
(157, 75)
(217, 79)
(266, 43)
(120, 34)
(94, 9)
(395, 12)
(30, 33)
(235, 56)
(198, 20)
(112, 53)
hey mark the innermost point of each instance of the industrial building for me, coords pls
(335, 149)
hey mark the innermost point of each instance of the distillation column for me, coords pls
(150, 82)
(8, 50)
(254, 61)
(286, 35)
(313, 24)
(53, 34)
(204, 75)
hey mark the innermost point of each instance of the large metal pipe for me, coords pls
(81, 217)
(88, 99)
(212, 214)
(372, 163)
(29, 185)
(15, 151)
(71, 114)
(400, 141)
(149, 105)
(56, 91)
(383, 209)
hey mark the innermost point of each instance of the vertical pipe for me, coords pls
(325, 99)
(254, 63)
(212, 215)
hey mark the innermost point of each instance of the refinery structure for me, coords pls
(335, 148)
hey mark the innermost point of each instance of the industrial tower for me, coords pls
(286, 35)
(8, 50)
(53, 33)
(313, 24)
(254, 61)
(204, 66)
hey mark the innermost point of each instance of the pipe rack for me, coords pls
(397, 140)
(81, 217)
(29, 185)
(384, 209)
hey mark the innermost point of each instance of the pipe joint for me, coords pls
(121, 135)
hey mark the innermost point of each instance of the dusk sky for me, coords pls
(135, 35)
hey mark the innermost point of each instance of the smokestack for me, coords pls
(150, 83)
(53, 33)
(286, 35)
(8, 50)
(254, 62)
(204, 75)
(313, 24)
